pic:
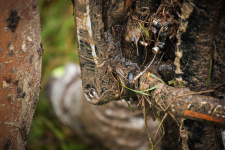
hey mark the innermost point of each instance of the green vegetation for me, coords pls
(142, 92)
(144, 29)
(58, 35)
(156, 77)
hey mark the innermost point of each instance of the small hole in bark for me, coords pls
(8, 79)
(34, 6)
(11, 53)
(7, 144)
(16, 82)
(31, 58)
(19, 90)
(13, 20)
(21, 95)
(23, 132)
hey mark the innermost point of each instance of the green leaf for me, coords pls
(129, 106)
(156, 77)
(144, 29)
(142, 92)
(171, 82)
(147, 2)
(127, 35)
(152, 88)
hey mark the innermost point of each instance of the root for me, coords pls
(182, 102)
(193, 93)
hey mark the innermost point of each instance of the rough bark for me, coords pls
(20, 70)
(198, 48)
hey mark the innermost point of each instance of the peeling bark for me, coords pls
(20, 67)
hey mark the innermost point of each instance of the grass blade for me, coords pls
(129, 106)
(142, 92)
(144, 29)
(156, 77)
(152, 88)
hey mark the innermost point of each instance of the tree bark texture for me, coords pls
(20, 70)
(201, 46)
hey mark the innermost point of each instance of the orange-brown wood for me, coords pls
(20, 70)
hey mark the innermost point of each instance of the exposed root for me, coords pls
(182, 102)
(193, 93)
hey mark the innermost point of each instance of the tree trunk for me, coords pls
(20, 66)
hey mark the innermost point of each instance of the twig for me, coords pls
(219, 86)
(141, 73)
(146, 125)
(164, 117)
(160, 59)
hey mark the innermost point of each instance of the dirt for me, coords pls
(166, 71)
(202, 136)
(197, 44)
(218, 72)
